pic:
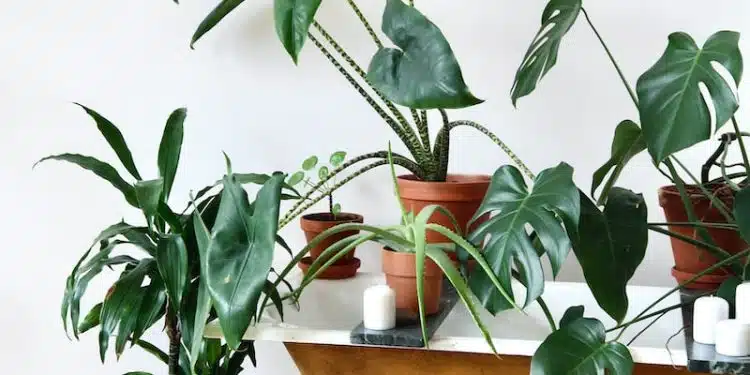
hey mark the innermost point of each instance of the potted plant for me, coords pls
(314, 224)
(407, 77)
(175, 272)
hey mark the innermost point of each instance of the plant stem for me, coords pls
(364, 21)
(664, 310)
(633, 97)
(173, 332)
(698, 224)
(547, 313)
(715, 201)
(714, 250)
(743, 150)
(330, 205)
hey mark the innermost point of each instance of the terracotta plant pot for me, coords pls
(315, 224)
(690, 260)
(460, 194)
(401, 276)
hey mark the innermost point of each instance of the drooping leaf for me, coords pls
(172, 261)
(323, 172)
(557, 18)
(581, 348)
(572, 314)
(170, 148)
(280, 240)
(171, 218)
(115, 139)
(310, 163)
(149, 195)
(610, 245)
(552, 201)
(153, 350)
(225, 7)
(273, 293)
(627, 143)
(423, 73)
(128, 319)
(91, 319)
(102, 170)
(240, 254)
(152, 308)
(741, 211)
(674, 114)
(337, 158)
(293, 19)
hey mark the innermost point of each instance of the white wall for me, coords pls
(131, 61)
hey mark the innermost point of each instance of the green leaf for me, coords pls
(128, 319)
(149, 195)
(557, 19)
(102, 170)
(727, 290)
(610, 245)
(336, 209)
(552, 201)
(627, 143)
(572, 314)
(424, 72)
(172, 260)
(240, 254)
(273, 293)
(234, 366)
(115, 139)
(203, 302)
(296, 178)
(153, 350)
(580, 348)
(251, 178)
(280, 240)
(741, 212)
(170, 148)
(310, 163)
(152, 308)
(293, 19)
(323, 172)
(337, 158)
(213, 18)
(91, 320)
(674, 114)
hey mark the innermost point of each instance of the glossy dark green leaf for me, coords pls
(246, 349)
(91, 319)
(273, 293)
(170, 148)
(166, 213)
(102, 170)
(572, 314)
(152, 307)
(203, 301)
(610, 245)
(149, 195)
(310, 163)
(627, 143)
(153, 350)
(172, 260)
(424, 72)
(337, 158)
(581, 348)
(552, 201)
(240, 254)
(741, 211)
(293, 19)
(674, 113)
(213, 18)
(280, 240)
(727, 290)
(129, 313)
(115, 139)
(557, 19)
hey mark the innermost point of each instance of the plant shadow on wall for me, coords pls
(188, 268)
(423, 75)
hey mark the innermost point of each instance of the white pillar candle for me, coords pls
(733, 338)
(742, 302)
(379, 308)
(707, 311)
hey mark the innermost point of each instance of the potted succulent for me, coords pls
(176, 271)
(314, 224)
(410, 77)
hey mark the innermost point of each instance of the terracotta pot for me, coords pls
(401, 276)
(460, 194)
(315, 224)
(690, 260)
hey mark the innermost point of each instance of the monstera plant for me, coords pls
(178, 264)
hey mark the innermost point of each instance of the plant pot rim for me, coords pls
(458, 188)
(310, 223)
(345, 217)
(392, 261)
(671, 190)
(345, 269)
(452, 179)
(705, 279)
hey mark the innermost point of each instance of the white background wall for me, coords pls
(130, 60)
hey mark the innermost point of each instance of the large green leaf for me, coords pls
(240, 253)
(152, 307)
(172, 260)
(293, 19)
(149, 195)
(552, 201)
(115, 139)
(610, 245)
(170, 148)
(580, 348)
(129, 313)
(627, 143)
(742, 212)
(424, 72)
(203, 302)
(557, 18)
(674, 113)
(572, 314)
(213, 18)
(102, 170)
(91, 319)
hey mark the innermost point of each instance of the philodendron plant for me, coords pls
(422, 75)
(177, 264)
(323, 182)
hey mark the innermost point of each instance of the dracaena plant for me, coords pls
(177, 264)
(421, 75)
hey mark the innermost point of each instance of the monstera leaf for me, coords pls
(674, 113)
(579, 348)
(557, 18)
(610, 245)
(293, 20)
(552, 201)
(423, 73)
(627, 143)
